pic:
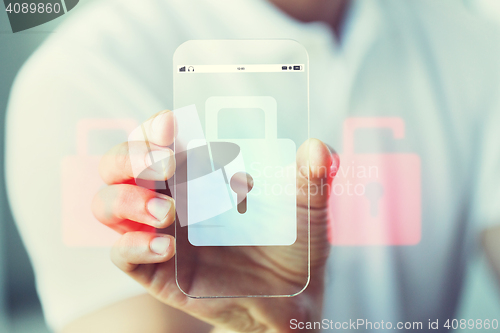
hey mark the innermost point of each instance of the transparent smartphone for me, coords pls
(242, 112)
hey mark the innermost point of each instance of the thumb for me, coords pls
(316, 167)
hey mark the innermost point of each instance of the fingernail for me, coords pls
(160, 123)
(159, 245)
(159, 208)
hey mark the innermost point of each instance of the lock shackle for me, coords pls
(216, 103)
(84, 126)
(396, 124)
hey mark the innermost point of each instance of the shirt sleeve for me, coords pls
(97, 66)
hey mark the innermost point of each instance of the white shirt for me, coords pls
(431, 63)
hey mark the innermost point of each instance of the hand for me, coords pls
(144, 254)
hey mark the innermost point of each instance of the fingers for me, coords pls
(128, 207)
(159, 129)
(136, 248)
(119, 165)
(145, 155)
(316, 166)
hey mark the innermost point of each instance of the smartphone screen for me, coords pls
(241, 114)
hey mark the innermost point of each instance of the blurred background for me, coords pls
(20, 309)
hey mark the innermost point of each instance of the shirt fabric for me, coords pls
(432, 63)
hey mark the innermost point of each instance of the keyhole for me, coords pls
(241, 183)
(374, 192)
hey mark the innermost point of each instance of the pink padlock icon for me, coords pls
(80, 182)
(375, 198)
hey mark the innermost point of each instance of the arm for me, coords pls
(137, 314)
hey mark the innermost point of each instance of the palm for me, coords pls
(228, 271)
(243, 271)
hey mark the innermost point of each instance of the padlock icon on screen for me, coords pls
(375, 198)
(80, 182)
(248, 196)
